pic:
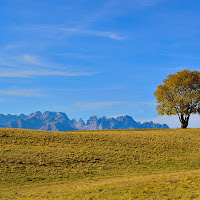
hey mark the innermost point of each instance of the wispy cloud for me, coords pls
(75, 55)
(2, 100)
(26, 74)
(110, 9)
(96, 105)
(112, 87)
(106, 34)
(30, 59)
(64, 31)
(26, 65)
(22, 92)
(141, 104)
(12, 46)
(26, 60)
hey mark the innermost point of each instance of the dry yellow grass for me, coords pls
(168, 185)
(116, 164)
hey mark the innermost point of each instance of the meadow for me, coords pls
(110, 164)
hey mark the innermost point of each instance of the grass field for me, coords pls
(115, 164)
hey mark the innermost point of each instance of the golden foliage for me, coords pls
(179, 95)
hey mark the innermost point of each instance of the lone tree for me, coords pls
(179, 95)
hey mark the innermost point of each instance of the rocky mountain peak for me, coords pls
(55, 116)
(92, 123)
(92, 119)
(58, 121)
(80, 125)
(81, 121)
(73, 121)
(37, 115)
(4, 119)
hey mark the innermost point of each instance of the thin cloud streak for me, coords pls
(48, 29)
(2, 100)
(114, 87)
(22, 92)
(75, 55)
(27, 74)
(96, 105)
(115, 8)
(106, 34)
(27, 60)
(27, 65)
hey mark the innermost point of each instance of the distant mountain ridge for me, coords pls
(59, 121)
(4, 119)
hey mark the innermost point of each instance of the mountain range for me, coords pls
(59, 121)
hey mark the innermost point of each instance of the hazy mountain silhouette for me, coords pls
(58, 121)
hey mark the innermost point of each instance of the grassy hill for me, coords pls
(114, 164)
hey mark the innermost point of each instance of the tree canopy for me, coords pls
(179, 95)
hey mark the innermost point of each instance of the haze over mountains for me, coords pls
(58, 121)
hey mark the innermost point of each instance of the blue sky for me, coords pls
(90, 57)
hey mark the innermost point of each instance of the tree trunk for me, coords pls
(184, 125)
(184, 121)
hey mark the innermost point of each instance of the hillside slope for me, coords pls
(140, 159)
